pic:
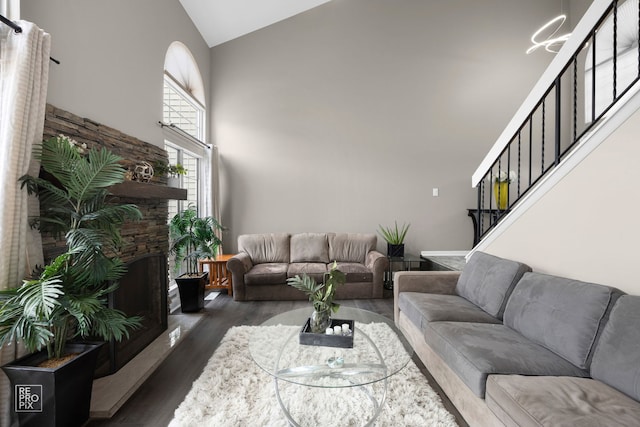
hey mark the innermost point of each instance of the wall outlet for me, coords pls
(436, 192)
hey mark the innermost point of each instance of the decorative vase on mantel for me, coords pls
(501, 193)
(320, 320)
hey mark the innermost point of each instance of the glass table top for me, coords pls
(406, 258)
(379, 350)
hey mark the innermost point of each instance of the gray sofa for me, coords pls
(265, 261)
(511, 347)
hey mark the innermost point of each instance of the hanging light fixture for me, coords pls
(547, 37)
(550, 43)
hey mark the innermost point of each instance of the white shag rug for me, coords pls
(233, 391)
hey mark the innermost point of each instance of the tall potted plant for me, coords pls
(394, 236)
(192, 238)
(67, 299)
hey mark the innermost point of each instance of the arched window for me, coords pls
(184, 109)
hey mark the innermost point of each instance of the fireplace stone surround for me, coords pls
(143, 290)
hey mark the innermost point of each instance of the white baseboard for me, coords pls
(443, 253)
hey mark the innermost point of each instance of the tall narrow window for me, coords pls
(183, 109)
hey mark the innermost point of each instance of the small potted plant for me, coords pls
(172, 172)
(67, 300)
(173, 175)
(321, 296)
(394, 236)
(192, 238)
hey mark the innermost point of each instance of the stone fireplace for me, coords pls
(143, 290)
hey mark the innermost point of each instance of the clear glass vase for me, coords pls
(320, 321)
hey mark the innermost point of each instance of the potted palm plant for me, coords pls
(192, 238)
(67, 300)
(394, 236)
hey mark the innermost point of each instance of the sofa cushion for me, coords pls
(563, 315)
(558, 401)
(422, 308)
(350, 247)
(355, 272)
(475, 350)
(616, 359)
(487, 281)
(310, 247)
(268, 273)
(312, 269)
(265, 247)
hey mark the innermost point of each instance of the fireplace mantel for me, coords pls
(145, 190)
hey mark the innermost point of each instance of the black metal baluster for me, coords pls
(593, 79)
(519, 150)
(509, 174)
(530, 147)
(481, 212)
(477, 232)
(491, 196)
(558, 119)
(575, 100)
(544, 113)
(497, 188)
(615, 48)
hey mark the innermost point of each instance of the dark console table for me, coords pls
(490, 215)
(407, 262)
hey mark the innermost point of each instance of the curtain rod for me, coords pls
(18, 29)
(183, 133)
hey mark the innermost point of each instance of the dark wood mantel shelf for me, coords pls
(145, 190)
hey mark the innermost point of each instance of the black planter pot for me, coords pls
(395, 251)
(191, 292)
(48, 397)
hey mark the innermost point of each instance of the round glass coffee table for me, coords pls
(335, 380)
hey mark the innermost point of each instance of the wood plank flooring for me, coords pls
(154, 402)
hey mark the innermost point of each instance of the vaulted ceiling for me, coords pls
(222, 20)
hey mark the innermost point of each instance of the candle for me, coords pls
(345, 328)
(329, 331)
(337, 330)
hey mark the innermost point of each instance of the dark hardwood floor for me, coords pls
(154, 402)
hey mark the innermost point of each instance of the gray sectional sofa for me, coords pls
(511, 347)
(265, 261)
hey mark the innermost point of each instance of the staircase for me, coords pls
(567, 157)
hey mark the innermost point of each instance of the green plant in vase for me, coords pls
(176, 170)
(321, 295)
(172, 172)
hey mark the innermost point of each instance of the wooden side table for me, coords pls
(219, 276)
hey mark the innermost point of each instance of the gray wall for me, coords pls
(346, 116)
(112, 55)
